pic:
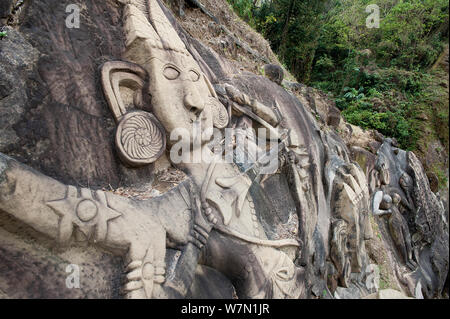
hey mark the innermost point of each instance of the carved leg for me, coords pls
(408, 247)
(339, 254)
(180, 282)
(404, 252)
(160, 268)
(359, 243)
(59, 211)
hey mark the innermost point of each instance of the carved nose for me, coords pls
(193, 101)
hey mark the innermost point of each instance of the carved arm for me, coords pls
(188, 261)
(64, 213)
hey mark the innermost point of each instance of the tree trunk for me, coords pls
(283, 45)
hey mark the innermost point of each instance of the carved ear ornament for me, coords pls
(221, 116)
(140, 138)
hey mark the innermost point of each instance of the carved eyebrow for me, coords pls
(171, 65)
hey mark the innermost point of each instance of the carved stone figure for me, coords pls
(404, 194)
(296, 229)
(350, 228)
(386, 201)
(397, 226)
(350, 204)
(218, 196)
(246, 148)
(339, 252)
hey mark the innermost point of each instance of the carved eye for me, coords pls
(171, 73)
(194, 75)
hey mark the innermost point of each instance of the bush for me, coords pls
(244, 8)
(377, 76)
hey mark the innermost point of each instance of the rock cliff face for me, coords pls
(91, 180)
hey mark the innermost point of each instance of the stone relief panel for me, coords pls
(413, 219)
(350, 227)
(140, 138)
(282, 231)
(217, 197)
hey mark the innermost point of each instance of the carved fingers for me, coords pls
(208, 212)
(142, 275)
(201, 210)
(199, 237)
(204, 219)
(134, 288)
(203, 224)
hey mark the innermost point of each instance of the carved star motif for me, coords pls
(89, 215)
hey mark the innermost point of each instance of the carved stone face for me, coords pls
(405, 181)
(180, 94)
(387, 202)
(396, 199)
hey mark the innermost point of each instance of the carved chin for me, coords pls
(204, 136)
(190, 136)
(202, 131)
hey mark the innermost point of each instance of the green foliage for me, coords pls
(244, 8)
(292, 28)
(325, 63)
(385, 101)
(377, 76)
(442, 178)
(441, 125)
(411, 33)
(3, 34)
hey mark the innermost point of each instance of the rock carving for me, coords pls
(228, 216)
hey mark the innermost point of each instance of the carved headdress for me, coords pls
(146, 24)
(156, 55)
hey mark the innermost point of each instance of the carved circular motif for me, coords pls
(220, 113)
(140, 138)
(143, 137)
(187, 215)
(87, 210)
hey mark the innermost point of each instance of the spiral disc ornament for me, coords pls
(140, 138)
(220, 113)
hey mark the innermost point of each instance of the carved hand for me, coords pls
(204, 220)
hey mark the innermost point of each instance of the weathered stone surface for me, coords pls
(17, 60)
(434, 182)
(274, 73)
(387, 294)
(421, 229)
(347, 293)
(334, 116)
(391, 294)
(210, 284)
(229, 229)
(58, 106)
(5, 9)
